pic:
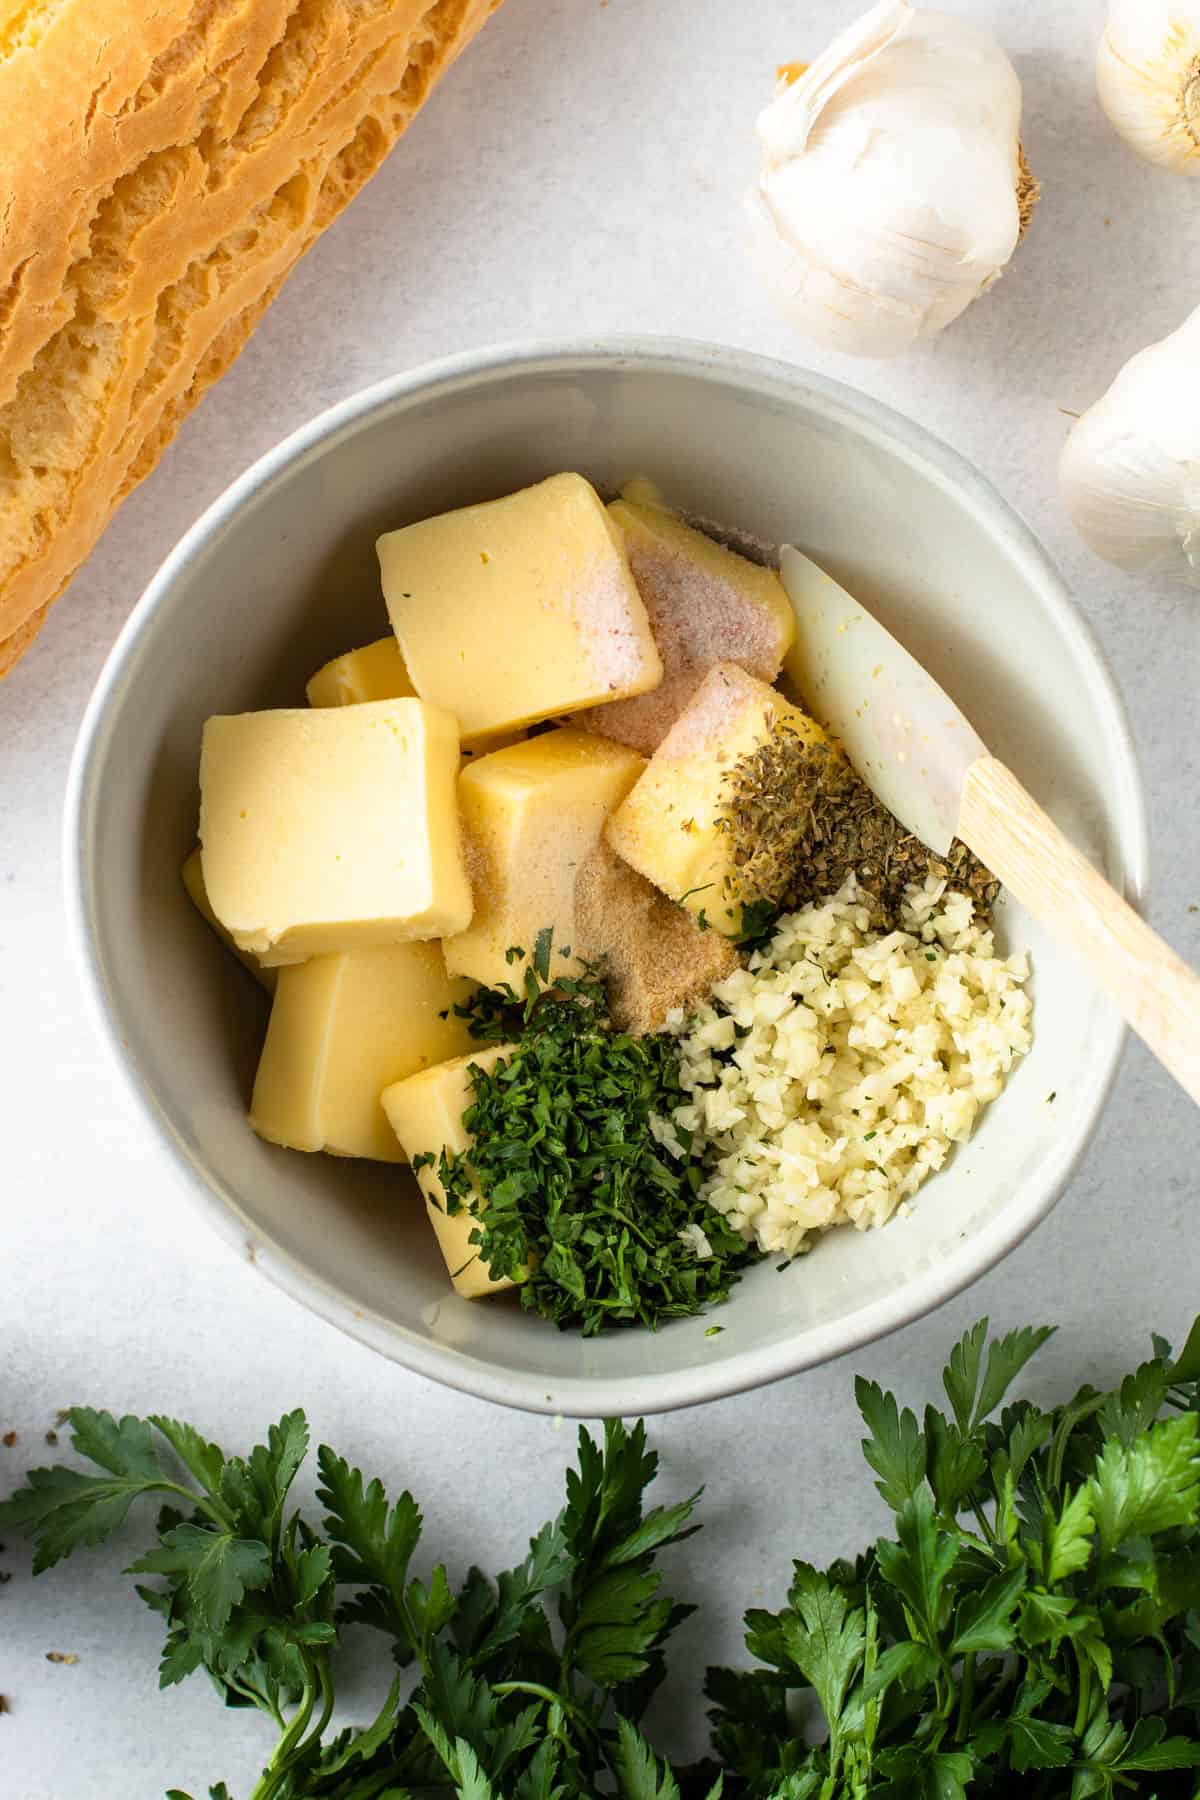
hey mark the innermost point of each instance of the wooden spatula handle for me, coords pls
(1154, 989)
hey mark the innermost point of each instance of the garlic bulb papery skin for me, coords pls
(1130, 470)
(1148, 79)
(893, 190)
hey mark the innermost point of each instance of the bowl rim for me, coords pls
(593, 1396)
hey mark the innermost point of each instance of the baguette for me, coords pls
(185, 165)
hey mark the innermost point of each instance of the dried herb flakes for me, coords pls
(803, 821)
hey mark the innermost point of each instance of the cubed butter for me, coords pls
(193, 881)
(344, 1027)
(484, 746)
(519, 609)
(334, 828)
(376, 672)
(531, 816)
(706, 605)
(426, 1114)
(669, 826)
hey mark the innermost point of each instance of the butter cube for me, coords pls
(669, 827)
(519, 609)
(344, 1027)
(376, 672)
(193, 881)
(426, 1114)
(483, 746)
(706, 605)
(531, 816)
(334, 828)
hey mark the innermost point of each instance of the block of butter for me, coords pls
(706, 605)
(333, 828)
(193, 881)
(519, 609)
(344, 1027)
(670, 827)
(376, 672)
(426, 1113)
(531, 816)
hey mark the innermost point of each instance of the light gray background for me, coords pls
(579, 171)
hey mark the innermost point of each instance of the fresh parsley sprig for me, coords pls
(1033, 1627)
(1030, 1629)
(523, 1688)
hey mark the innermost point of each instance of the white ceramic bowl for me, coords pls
(280, 574)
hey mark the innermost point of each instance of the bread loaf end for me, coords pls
(140, 328)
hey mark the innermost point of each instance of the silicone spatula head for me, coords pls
(903, 734)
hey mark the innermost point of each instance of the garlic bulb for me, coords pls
(893, 190)
(1148, 77)
(1130, 470)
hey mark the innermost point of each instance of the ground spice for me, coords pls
(803, 821)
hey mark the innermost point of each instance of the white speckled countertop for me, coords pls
(579, 171)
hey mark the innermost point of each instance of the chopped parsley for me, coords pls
(757, 926)
(584, 1206)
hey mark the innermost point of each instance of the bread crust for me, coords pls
(202, 156)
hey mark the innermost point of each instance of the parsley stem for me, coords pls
(1085, 1691)
(277, 1769)
(966, 1696)
(539, 1692)
(256, 1697)
(374, 1785)
(987, 1706)
(326, 1685)
(205, 1503)
(984, 1522)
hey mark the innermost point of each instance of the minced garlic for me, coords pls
(828, 1078)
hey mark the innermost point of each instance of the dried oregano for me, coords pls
(803, 821)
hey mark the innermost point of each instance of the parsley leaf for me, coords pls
(638, 1771)
(1006, 1358)
(66, 1509)
(825, 1638)
(896, 1448)
(372, 1547)
(961, 1375)
(215, 1567)
(1068, 1537)
(983, 1619)
(1150, 1485)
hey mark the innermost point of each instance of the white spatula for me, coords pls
(913, 747)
